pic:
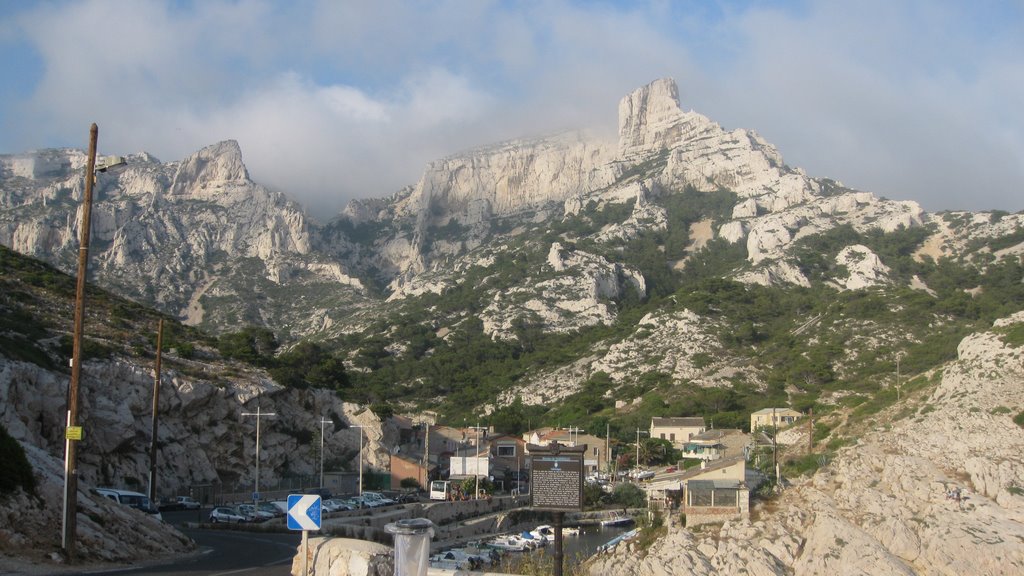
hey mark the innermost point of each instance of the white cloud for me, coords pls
(333, 100)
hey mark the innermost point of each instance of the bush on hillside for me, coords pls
(15, 472)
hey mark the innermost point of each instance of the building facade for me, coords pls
(678, 431)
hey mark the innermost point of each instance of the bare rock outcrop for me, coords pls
(883, 506)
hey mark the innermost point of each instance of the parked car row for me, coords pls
(245, 513)
(267, 510)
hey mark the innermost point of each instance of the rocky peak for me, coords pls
(649, 119)
(210, 170)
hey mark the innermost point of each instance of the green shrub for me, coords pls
(1013, 336)
(806, 464)
(1019, 419)
(15, 472)
(629, 496)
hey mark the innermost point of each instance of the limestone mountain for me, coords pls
(597, 243)
(678, 269)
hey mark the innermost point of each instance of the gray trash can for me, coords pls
(412, 545)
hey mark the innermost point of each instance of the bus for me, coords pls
(440, 490)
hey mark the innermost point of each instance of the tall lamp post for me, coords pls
(259, 414)
(73, 432)
(322, 422)
(576, 429)
(638, 433)
(360, 458)
(477, 464)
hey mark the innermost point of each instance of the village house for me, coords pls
(509, 463)
(410, 466)
(416, 437)
(717, 491)
(677, 430)
(773, 418)
(716, 444)
(596, 457)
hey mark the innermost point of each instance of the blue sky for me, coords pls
(331, 100)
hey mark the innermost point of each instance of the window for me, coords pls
(506, 450)
(672, 437)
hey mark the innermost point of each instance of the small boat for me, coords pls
(544, 532)
(617, 521)
(620, 538)
(507, 543)
(530, 540)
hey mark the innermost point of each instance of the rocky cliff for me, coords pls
(882, 505)
(203, 440)
(196, 238)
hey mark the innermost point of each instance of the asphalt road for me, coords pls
(225, 552)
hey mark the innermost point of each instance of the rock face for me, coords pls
(346, 557)
(575, 297)
(881, 507)
(203, 440)
(107, 532)
(178, 235)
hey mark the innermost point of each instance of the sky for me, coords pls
(338, 99)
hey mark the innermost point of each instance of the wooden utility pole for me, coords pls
(810, 430)
(426, 457)
(156, 406)
(70, 434)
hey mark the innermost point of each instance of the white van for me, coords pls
(136, 500)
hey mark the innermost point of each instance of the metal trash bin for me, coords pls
(412, 545)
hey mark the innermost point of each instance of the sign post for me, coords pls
(304, 514)
(556, 484)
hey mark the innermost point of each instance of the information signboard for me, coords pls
(556, 477)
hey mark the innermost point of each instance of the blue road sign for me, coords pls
(303, 512)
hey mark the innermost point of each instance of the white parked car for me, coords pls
(377, 497)
(187, 503)
(226, 514)
(136, 500)
(253, 514)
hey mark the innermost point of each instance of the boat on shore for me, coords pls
(614, 541)
(617, 521)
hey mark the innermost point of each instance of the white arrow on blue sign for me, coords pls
(303, 512)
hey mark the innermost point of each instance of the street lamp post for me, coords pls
(259, 414)
(577, 429)
(638, 432)
(73, 432)
(322, 422)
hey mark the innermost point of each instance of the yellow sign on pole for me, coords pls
(73, 433)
